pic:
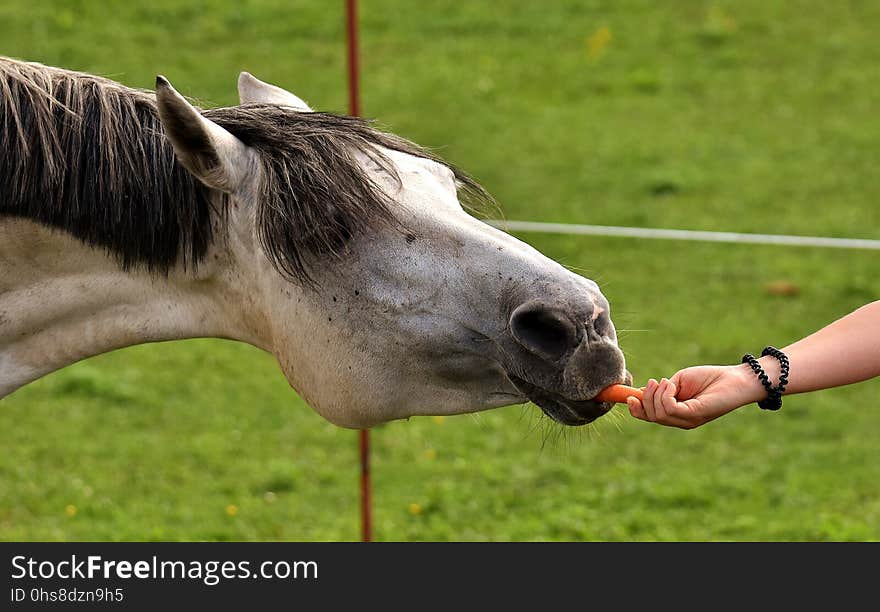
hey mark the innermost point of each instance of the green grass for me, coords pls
(741, 116)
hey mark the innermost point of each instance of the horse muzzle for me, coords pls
(565, 356)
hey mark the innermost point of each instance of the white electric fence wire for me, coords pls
(677, 234)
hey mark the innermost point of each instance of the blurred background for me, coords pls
(746, 116)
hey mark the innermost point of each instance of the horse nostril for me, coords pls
(543, 330)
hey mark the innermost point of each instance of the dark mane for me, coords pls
(88, 156)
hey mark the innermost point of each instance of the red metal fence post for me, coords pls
(354, 108)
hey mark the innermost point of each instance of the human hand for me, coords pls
(694, 396)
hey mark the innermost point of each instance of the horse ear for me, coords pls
(213, 155)
(252, 90)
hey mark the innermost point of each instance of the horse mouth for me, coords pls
(559, 408)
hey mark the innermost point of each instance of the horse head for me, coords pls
(380, 296)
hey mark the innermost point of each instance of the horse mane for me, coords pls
(88, 156)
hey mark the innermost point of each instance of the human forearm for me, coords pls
(844, 352)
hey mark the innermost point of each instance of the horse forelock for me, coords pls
(88, 155)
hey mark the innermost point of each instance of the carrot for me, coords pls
(618, 394)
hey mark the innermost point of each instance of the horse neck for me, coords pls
(61, 301)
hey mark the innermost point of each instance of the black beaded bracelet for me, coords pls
(773, 400)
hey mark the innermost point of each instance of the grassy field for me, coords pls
(746, 116)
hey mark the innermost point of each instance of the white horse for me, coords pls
(130, 216)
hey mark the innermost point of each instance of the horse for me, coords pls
(350, 254)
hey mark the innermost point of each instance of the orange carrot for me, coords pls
(618, 394)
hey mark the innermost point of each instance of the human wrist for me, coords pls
(772, 368)
(751, 386)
